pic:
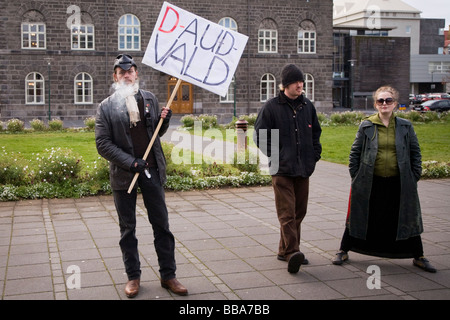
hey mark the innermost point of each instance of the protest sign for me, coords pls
(194, 49)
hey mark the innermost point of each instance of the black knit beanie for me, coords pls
(290, 74)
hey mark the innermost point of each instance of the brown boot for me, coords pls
(175, 286)
(132, 288)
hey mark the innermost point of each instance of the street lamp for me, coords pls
(49, 73)
(352, 64)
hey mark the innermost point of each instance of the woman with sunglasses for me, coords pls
(384, 215)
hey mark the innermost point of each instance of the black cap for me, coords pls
(124, 61)
(290, 74)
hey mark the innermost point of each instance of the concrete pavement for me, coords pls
(226, 241)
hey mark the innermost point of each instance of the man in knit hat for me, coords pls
(287, 130)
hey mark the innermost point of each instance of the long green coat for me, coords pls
(362, 160)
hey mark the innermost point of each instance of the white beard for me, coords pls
(126, 92)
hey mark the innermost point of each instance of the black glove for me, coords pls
(138, 165)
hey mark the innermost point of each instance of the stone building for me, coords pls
(57, 56)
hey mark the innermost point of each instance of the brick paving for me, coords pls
(226, 242)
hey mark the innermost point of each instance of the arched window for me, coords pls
(129, 33)
(33, 30)
(309, 86)
(82, 32)
(83, 88)
(34, 88)
(268, 87)
(267, 37)
(229, 23)
(307, 37)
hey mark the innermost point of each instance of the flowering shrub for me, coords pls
(434, 169)
(58, 165)
(90, 123)
(15, 125)
(55, 125)
(37, 125)
(13, 168)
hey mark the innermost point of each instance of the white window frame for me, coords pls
(34, 81)
(34, 36)
(268, 87)
(127, 33)
(267, 41)
(83, 33)
(83, 81)
(308, 86)
(306, 40)
(229, 23)
(229, 97)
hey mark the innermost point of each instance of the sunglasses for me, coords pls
(388, 101)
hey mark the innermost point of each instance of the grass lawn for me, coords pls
(336, 141)
(29, 144)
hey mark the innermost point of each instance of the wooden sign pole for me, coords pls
(155, 134)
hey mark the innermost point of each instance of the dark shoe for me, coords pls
(424, 264)
(341, 256)
(295, 261)
(132, 288)
(175, 286)
(283, 258)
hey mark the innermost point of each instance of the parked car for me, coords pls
(418, 98)
(436, 96)
(434, 105)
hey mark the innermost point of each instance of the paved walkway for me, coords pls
(226, 242)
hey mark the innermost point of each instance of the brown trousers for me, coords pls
(291, 201)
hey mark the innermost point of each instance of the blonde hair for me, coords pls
(395, 94)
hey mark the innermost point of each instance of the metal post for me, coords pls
(49, 89)
(352, 64)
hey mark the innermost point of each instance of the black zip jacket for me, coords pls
(289, 135)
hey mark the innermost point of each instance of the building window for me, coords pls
(229, 23)
(229, 97)
(129, 33)
(306, 37)
(268, 87)
(267, 41)
(33, 36)
(438, 67)
(268, 37)
(34, 88)
(309, 86)
(83, 88)
(82, 37)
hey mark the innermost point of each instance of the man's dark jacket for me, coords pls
(113, 138)
(299, 136)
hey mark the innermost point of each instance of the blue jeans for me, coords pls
(164, 242)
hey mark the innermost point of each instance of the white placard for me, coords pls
(194, 49)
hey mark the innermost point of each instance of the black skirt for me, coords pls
(383, 224)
